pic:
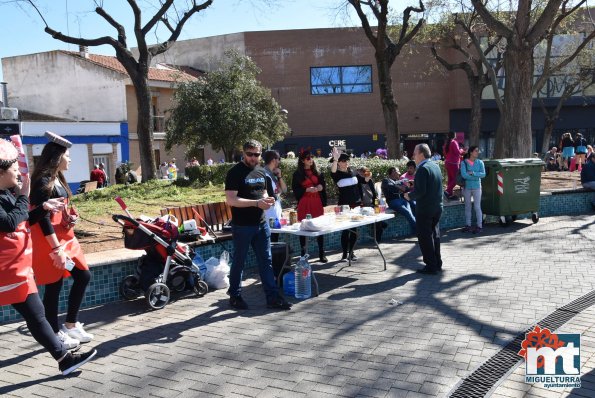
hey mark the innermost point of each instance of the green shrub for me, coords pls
(200, 176)
(378, 168)
(208, 175)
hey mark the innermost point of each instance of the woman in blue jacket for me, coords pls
(472, 170)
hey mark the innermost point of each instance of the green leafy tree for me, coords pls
(225, 108)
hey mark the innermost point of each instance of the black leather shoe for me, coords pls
(427, 271)
(279, 303)
(238, 303)
(322, 258)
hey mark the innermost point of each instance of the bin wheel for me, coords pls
(129, 287)
(535, 218)
(201, 288)
(514, 217)
(502, 221)
(157, 295)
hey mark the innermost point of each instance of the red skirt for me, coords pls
(311, 204)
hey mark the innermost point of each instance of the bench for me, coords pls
(216, 215)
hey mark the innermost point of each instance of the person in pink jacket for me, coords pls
(452, 162)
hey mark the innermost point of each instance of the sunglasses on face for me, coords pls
(252, 154)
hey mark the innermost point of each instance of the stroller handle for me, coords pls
(118, 218)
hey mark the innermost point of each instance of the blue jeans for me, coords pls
(259, 237)
(405, 208)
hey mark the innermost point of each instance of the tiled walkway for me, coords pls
(379, 333)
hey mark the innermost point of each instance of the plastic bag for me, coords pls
(319, 223)
(218, 271)
(199, 263)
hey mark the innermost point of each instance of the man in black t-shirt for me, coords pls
(246, 193)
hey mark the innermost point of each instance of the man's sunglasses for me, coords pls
(252, 154)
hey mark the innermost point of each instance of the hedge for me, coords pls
(215, 175)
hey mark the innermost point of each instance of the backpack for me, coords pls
(460, 179)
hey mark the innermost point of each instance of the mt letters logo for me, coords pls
(552, 359)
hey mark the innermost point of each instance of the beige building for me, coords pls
(85, 88)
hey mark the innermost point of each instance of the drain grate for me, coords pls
(484, 378)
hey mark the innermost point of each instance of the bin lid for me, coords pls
(514, 162)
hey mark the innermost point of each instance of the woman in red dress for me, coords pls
(309, 189)
(17, 284)
(55, 247)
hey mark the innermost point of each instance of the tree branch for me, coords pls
(489, 19)
(158, 15)
(162, 47)
(543, 22)
(141, 41)
(364, 19)
(119, 28)
(80, 41)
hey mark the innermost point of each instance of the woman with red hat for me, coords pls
(57, 253)
(17, 284)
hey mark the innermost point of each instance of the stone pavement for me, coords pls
(389, 333)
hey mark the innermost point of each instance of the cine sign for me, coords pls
(339, 143)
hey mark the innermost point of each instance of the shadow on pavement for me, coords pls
(587, 386)
(33, 382)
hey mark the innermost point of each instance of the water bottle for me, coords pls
(69, 264)
(289, 283)
(303, 274)
(277, 224)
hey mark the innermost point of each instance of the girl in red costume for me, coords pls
(17, 285)
(54, 244)
(309, 189)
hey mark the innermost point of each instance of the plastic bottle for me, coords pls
(277, 223)
(289, 283)
(303, 275)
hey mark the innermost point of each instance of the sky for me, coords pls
(21, 28)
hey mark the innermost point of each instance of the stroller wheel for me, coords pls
(129, 287)
(178, 283)
(157, 295)
(200, 288)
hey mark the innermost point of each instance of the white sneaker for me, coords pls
(78, 333)
(68, 342)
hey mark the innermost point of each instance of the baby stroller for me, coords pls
(159, 240)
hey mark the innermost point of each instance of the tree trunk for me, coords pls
(514, 134)
(144, 129)
(389, 109)
(475, 122)
(550, 123)
(228, 153)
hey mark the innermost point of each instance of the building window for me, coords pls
(341, 80)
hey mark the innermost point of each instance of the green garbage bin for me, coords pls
(511, 187)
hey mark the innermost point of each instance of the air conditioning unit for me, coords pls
(9, 114)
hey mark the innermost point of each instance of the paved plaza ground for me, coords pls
(371, 332)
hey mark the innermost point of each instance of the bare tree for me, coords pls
(385, 52)
(523, 29)
(173, 16)
(566, 68)
(463, 37)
